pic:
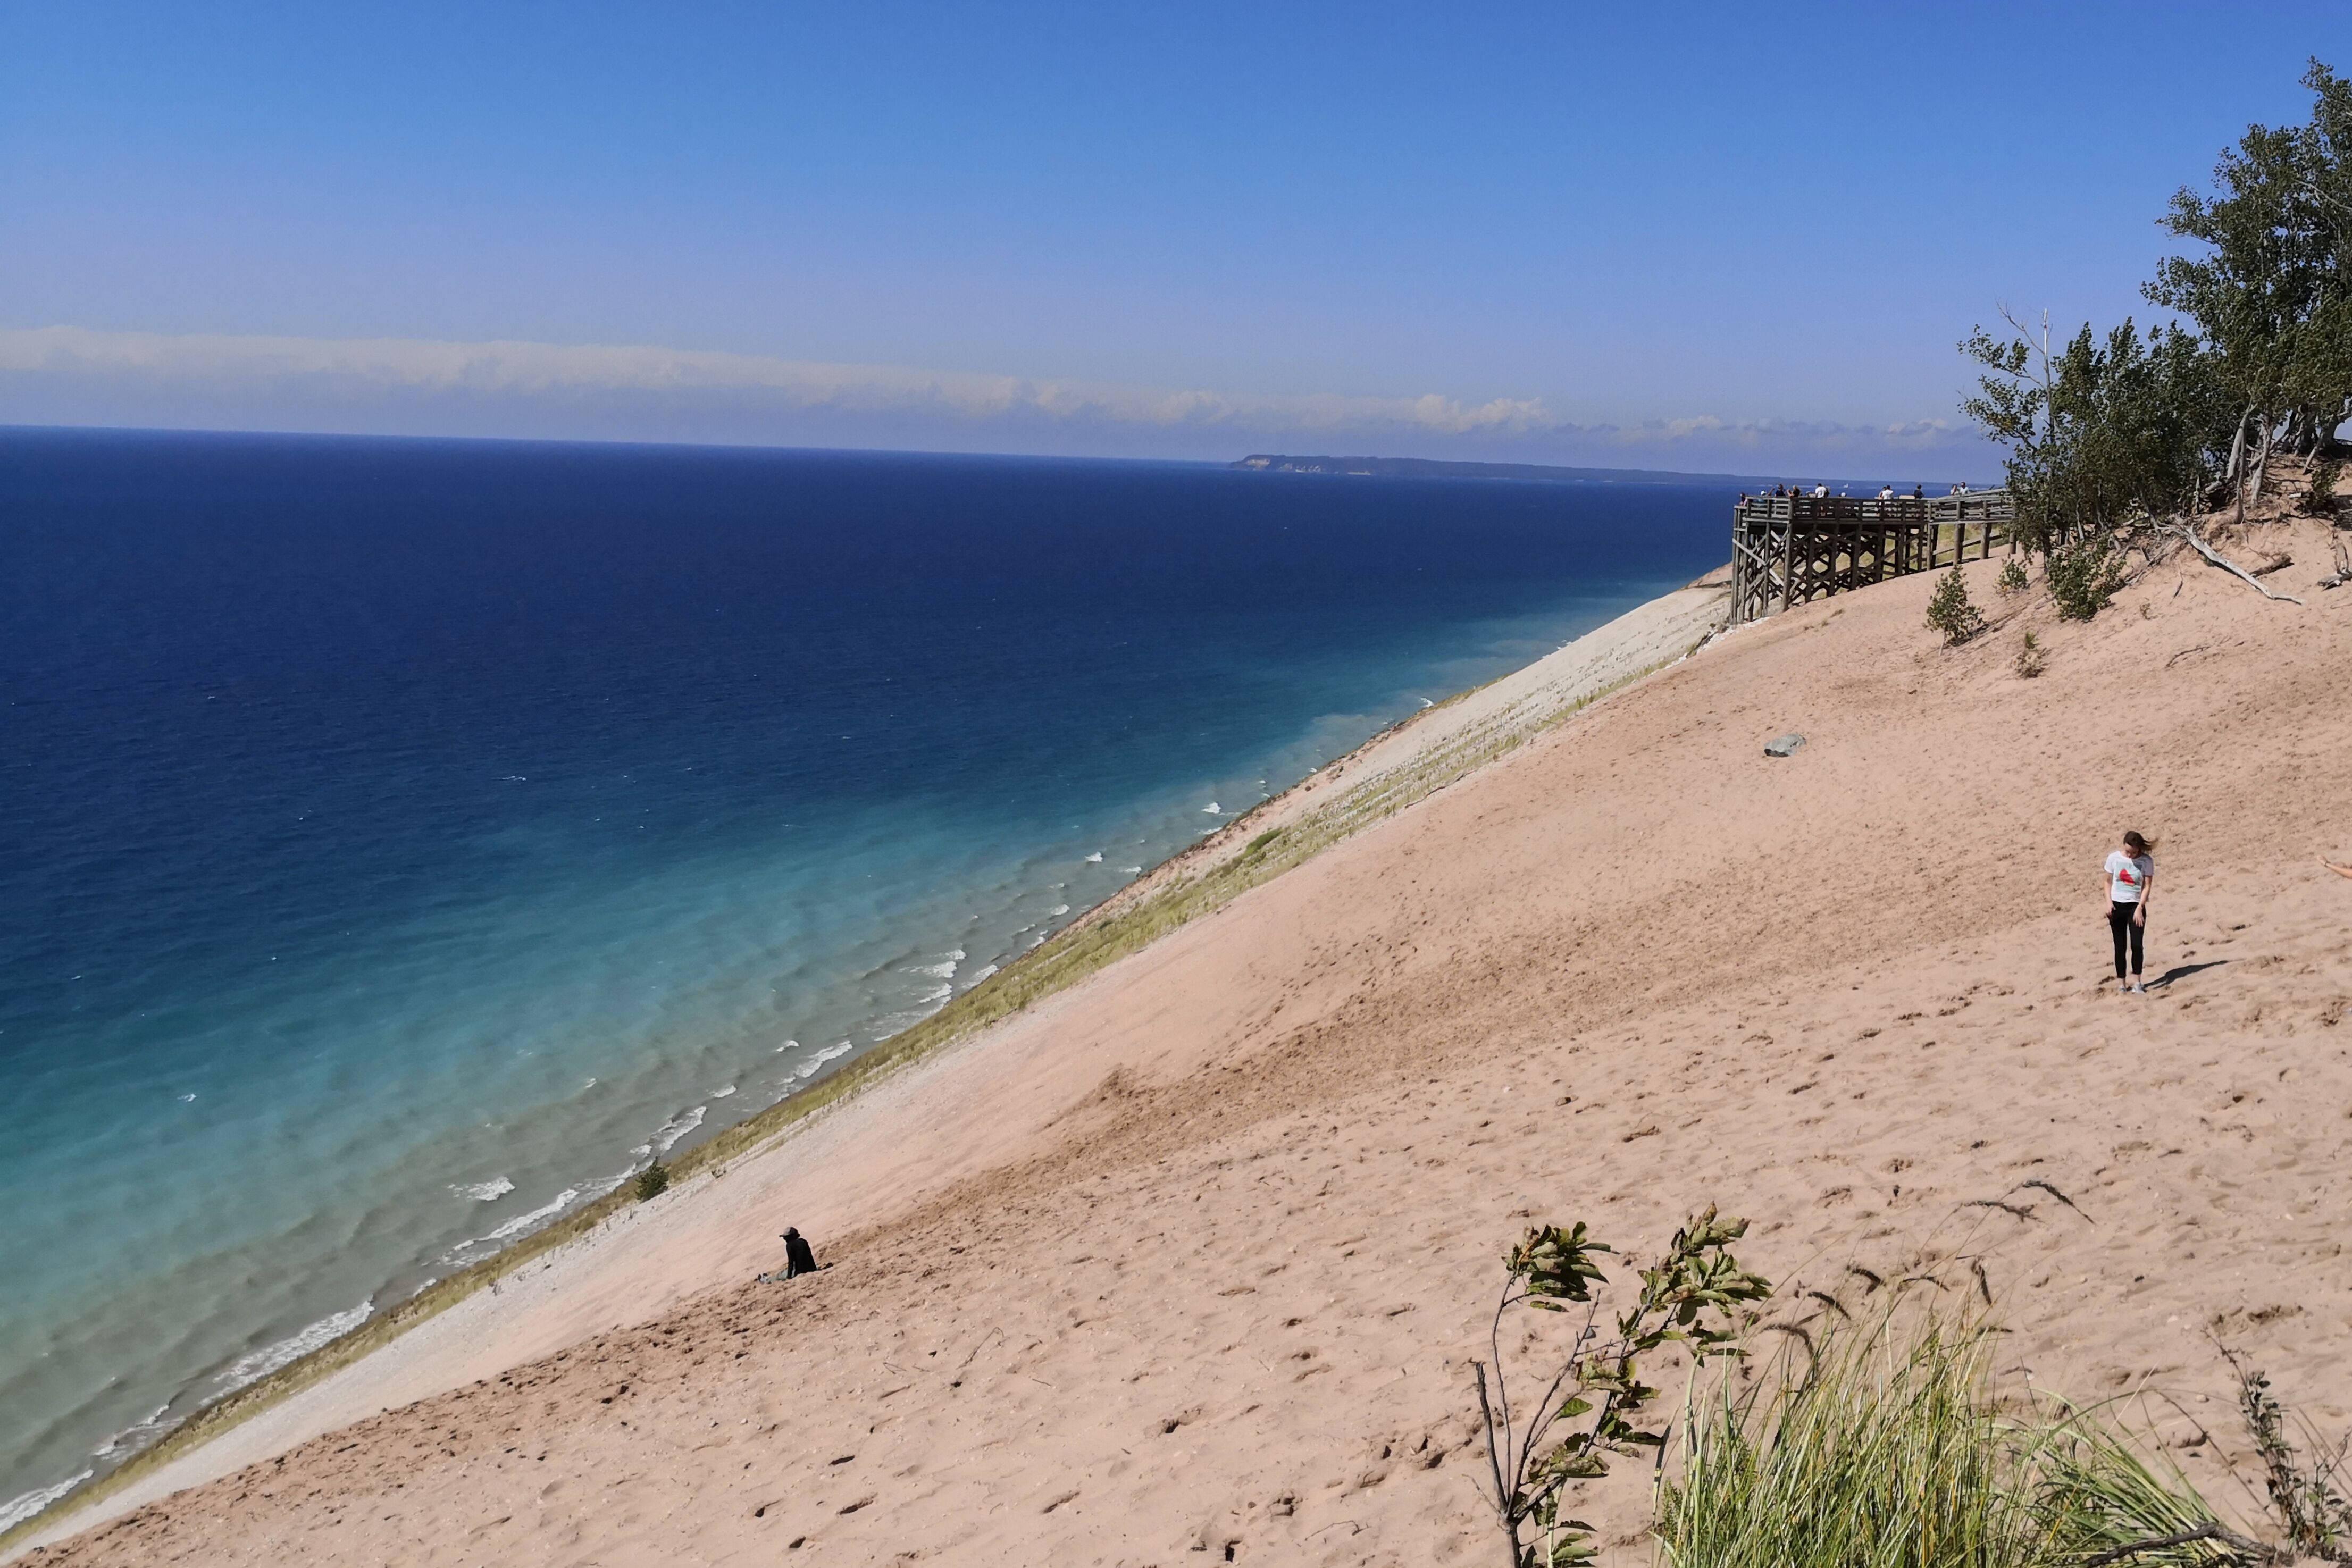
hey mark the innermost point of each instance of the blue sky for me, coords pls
(1694, 237)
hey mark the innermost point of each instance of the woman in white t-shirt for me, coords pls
(2128, 879)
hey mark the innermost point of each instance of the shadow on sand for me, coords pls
(2182, 971)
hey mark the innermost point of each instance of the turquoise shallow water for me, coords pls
(408, 840)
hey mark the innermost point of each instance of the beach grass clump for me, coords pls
(2030, 661)
(1885, 1447)
(1878, 1452)
(653, 1181)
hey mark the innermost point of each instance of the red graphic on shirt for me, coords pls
(2126, 877)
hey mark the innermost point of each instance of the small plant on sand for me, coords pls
(1950, 611)
(653, 1181)
(2029, 658)
(2306, 1494)
(1692, 1294)
(2083, 577)
(2012, 576)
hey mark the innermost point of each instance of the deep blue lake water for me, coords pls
(403, 841)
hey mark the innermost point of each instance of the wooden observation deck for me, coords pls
(1792, 550)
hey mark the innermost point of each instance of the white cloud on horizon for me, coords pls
(396, 385)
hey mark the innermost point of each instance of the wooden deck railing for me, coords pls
(1791, 549)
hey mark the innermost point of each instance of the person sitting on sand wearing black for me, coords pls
(799, 1259)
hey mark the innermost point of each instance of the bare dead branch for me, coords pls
(2342, 564)
(2185, 531)
(2253, 1550)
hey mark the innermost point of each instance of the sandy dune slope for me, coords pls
(1185, 1266)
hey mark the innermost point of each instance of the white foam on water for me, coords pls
(484, 1191)
(722, 1093)
(810, 1068)
(261, 1363)
(980, 973)
(17, 1509)
(1213, 808)
(1095, 858)
(1059, 909)
(677, 1127)
(134, 1436)
(939, 971)
(790, 1045)
(522, 1222)
(1132, 870)
(604, 1185)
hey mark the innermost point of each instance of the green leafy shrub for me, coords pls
(2029, 658)
(2012, 575)
(1950, 611)
(653, 1181)
(2323, 476)
(2083, 577)
(1692, 1294)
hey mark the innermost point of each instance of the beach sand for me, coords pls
(1184, 1264)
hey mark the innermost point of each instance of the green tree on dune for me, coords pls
(2123, 429)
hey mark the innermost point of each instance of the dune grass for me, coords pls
(1889, 1450)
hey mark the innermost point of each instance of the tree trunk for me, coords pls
(2262, 456)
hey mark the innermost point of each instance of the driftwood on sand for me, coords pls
(2342, 564)
(2188, 532)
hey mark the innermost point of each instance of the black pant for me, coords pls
(2119, 922)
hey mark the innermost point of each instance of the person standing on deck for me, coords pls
(2127, 879)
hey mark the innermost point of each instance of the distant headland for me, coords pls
(1431, 468)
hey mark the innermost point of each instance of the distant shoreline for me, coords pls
(1529, 473)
